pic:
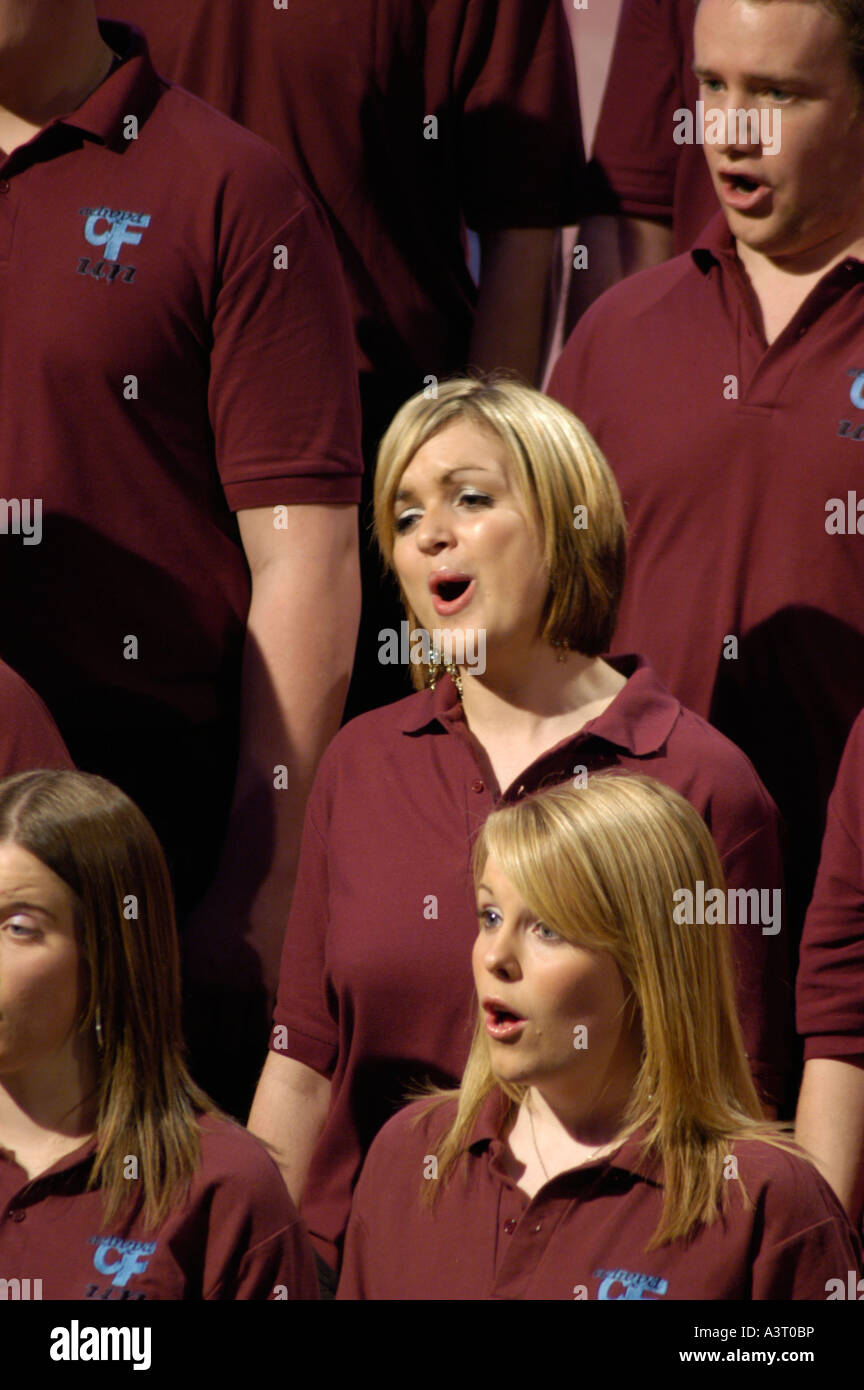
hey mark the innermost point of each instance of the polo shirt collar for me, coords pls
(639, 719)
(630, 1157)
(716, 243)
(130, 89)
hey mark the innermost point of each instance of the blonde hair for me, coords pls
(557, 466)
(96, 840)
(600, 864)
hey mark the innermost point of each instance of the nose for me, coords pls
(499, 954)
(740, 132)
(434, 531)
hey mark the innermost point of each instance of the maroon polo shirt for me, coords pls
(726, 507)
(159, 371)
(344, 92)
(583, 1235)
(29, 738)
(830, 988)
(376, 990)
(236, 1236)
(637, 168)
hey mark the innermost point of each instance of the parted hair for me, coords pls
(600, 864)
(94, 838)
(557, 466)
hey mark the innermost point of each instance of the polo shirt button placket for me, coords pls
(478, 786)
(510, 1225)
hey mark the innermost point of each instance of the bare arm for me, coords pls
(510, 325)
(288, 1113)
(830, 1125)
(300, 638)
(614, 247)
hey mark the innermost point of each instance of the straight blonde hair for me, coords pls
(96, 840)
(600, 864)
(557, 467)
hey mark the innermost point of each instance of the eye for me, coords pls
(404, 521)
(21, 929)
(546, 933)
(475, 500)
(710, 84)
(488, 917)
(778, 94)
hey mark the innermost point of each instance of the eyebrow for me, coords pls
(404, 492)
(25, 905)
(768, 79)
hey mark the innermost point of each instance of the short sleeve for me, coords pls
(257, 1247)
(519, 145)
(830, 987)
(303, 1025)
(806, 1238)
(283, 394)
(634, 156)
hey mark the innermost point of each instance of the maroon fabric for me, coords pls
(343, 92)
(636, 166)
(237, 1235)
(583, 1234)
(376, 989)
(726, 506)
(830, 989)
(29, 738)
(246, 398)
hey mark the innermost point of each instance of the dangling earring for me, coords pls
(453, 673)
(433, 667)
(561, 650)
(100, 1042)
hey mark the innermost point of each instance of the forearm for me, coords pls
(301, 632)
(288, 1113)
(830, 1125)
(612, 249)
(510, 324)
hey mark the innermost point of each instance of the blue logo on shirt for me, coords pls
(113, 228)
(641, 1286)
(121, 1258)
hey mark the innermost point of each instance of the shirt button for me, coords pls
(478, 786)
(538, 1227)
(15, 1214)
(4, 187)
(510, 1226)
(802, 331)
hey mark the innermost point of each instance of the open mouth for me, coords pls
(501, 1023)
(449, 588)
(451, 591)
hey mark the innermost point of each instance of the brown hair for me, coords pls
(94, 838)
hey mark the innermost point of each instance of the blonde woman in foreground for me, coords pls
(606, 1140)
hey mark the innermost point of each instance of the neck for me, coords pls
(51, 59)
(537, 688)
(802, 266)
(57, 1101)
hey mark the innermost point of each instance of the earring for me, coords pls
(453, 673)
(433, 667)
(100, 1042)
(561, 650)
